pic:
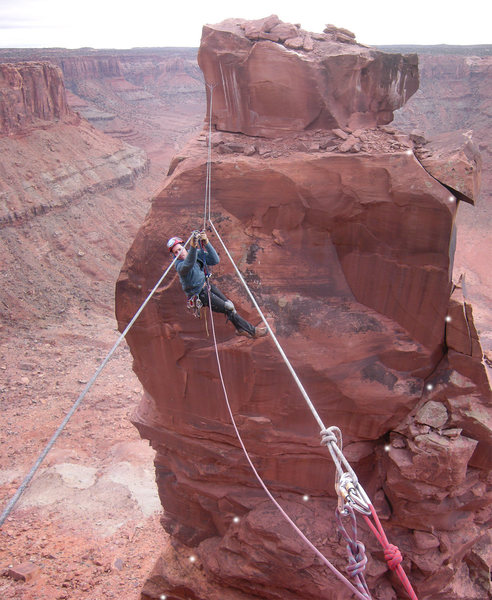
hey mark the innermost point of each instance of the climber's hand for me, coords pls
(204, 238)
(195, 238)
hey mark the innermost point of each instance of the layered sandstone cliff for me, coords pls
(50, 156)
(147, 97)
(31, 93)
(347, 239)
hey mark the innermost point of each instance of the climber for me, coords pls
(193, 272)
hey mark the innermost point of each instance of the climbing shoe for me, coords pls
(243, 333)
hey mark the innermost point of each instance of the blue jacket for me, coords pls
(191, 271)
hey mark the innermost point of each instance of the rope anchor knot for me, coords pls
(328, 436)
(357, 558)
(393, 556)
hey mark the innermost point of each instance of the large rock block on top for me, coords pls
(272, 78)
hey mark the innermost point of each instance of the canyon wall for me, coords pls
(61, 184)
(346, 237)
(50, 155)
(31, 93)
(150, 97)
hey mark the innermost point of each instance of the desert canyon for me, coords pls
(352, 185)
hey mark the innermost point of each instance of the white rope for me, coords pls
(328, 435)
(206, 210)
(270, 331)
(69, 415)
(323, 558)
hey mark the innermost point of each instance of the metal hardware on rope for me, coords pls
(347, 486)
(195, 305)
(351, 494)
(27, 480)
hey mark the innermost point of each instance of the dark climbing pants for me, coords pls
(218, 301)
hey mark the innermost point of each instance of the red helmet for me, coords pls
(173, 241)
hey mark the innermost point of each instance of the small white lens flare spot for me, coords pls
(387, 447)
(448, 319)
(163, 597)
(452, 198)
(192, 559)
(305, 497)
(409, 152)
(429, 386)
(236, 519)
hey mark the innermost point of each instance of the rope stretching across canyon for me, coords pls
(27, 480)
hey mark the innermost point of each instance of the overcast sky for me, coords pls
(127, 24)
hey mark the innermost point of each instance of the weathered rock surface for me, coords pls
(50, 156)
(272, 78)
(455, 93)
(29, 94)
(454, 160)
(347, 242)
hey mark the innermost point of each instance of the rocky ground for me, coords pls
(88, 525)
(89, 520)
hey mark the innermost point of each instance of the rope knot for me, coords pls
(328, 436)
(357, 558)
(392, 556)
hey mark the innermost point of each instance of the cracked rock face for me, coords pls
(349, 251)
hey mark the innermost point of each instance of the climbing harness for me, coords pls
(194, 303)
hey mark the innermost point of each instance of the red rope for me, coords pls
(392, 553)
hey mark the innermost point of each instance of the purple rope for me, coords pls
(356, 550)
